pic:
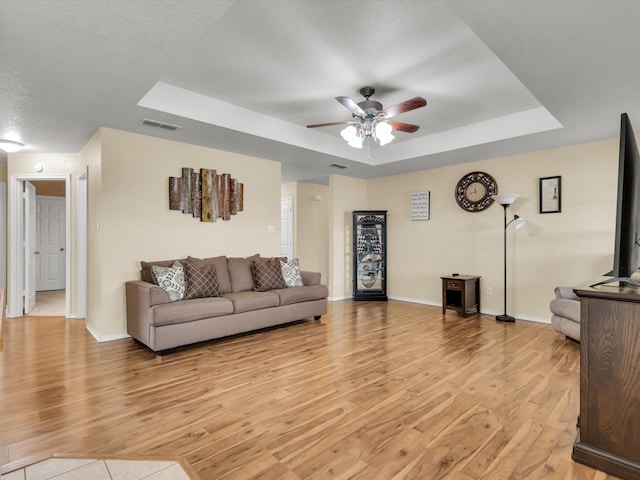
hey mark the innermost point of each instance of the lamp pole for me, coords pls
(504, 317)
(505, 200)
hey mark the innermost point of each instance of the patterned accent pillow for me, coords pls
(291, 273)
(267, 275)
(171, 279)
(202, 281)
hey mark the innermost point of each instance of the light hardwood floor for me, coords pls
(380, 390)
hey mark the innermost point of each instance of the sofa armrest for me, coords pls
(566, 292)
(140, 297)
(310, 278)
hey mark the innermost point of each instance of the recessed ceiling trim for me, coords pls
(528, 122)
(185, 103)
(179, 101)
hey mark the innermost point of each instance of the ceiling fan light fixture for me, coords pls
(370, 119)
(383, 133)
(349, 133)
(356, 142)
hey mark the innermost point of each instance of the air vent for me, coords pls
(337, 165)
(157, 124)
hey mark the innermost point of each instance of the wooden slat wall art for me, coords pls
(196, 194)
(175, 193)
(206, 195)
(187, 201)
(209, 189)
(220, 193)
(234, 196)
(226, 182)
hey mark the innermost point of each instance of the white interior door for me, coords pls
(50, 242)
(29, 247)
(286, 227)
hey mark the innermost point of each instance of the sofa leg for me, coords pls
(168, 351)
(317, 317)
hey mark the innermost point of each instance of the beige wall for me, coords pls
(345, 195)
(136, 223)
(311, 225)
(567, 248)
(91, 159)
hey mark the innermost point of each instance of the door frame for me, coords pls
(15, 274)
(82, 284)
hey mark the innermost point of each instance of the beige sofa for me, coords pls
(163, 325)
(565, 309)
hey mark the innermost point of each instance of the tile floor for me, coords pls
(84, 469)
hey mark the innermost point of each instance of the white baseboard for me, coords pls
(337, 299)
(416, 300)
(527, 318)
(106, 338)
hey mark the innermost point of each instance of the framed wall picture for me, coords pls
(550, 194)
(420, 205)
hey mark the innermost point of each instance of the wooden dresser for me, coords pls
(609, 421)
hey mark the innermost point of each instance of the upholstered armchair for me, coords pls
(566, 312)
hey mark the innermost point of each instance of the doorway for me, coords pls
(21, 288)
(50, 249)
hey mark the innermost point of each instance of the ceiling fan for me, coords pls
(371, 120)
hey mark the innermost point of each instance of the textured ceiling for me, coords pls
(248, 76)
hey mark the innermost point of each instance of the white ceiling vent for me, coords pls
(157, 124)
(337, 165)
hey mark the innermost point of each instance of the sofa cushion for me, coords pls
(190, 310)
(221, 270)
(147, 273)
(201, 281)
(292, 295)
(267, 275)
(291, 273)
(240, 272)
(248, 301)
(171, 279)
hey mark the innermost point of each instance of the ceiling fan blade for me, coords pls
(405, 106)
(326, 124)
(352, 106)
(404, 127)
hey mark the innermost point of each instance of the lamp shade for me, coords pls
(349, 133)
(10, 146)
(520, 222)
(506, 198)
(383, 133)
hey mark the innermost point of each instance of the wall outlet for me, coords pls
(489, 290)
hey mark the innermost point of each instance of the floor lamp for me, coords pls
(506, 200)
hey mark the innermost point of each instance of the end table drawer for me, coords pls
(454, 284)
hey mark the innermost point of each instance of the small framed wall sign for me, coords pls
(420, 205)
(550, 195)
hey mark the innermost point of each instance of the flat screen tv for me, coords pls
(626, 259)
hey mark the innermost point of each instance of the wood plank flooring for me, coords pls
(380, 390)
